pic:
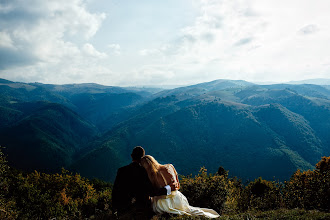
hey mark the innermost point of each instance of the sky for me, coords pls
(168, 42)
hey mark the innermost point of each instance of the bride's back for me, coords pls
(159, 175)
(166, 175)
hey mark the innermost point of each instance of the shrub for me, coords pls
(261, 195)
(205, 190)
(310, 189)
(7, 205)
(40, 195)
(234, 198)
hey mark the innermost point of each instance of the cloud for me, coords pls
(148, 52)
(38, 32)
(6, 41)
(115, 49)
(244, 41)
(250, 40)
(149, 75)
(59, 42)
(89, 50)
(309, 29)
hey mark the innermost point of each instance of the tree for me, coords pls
(310, 189)
(7, 206)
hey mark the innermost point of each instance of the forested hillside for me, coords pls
(251, 130)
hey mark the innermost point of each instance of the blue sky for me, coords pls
(170, 42)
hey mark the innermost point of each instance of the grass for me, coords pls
(280, 214)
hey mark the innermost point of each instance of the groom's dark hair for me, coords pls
(137, 153)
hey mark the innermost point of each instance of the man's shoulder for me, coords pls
(124, 167)
(130, 167)
(131, 173)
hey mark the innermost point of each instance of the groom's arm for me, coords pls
(159, 192)
(148, 187)
(165, 190)
(155, 191)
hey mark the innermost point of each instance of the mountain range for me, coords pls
(251, 130)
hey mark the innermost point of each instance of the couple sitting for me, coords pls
(145, 178)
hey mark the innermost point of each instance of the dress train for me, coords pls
(177, 203)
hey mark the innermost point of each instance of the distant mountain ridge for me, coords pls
(312, 81)
(251, 130)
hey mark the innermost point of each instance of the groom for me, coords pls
(132, 189)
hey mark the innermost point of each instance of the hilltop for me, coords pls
(252, 130)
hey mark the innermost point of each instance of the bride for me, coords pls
(176, 202)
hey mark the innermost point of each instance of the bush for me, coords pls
(7, 205)
(70, 196)
(205, 190)
(40, 195)
(310, 189)
(261, 195)
(64, 196)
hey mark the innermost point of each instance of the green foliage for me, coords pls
(205, 190)
(306, 190)
(98, 107)
(323, 166)
(286, 129)
(46, 139)
(40, 195)
(222, 172)
(271, 139)
(310, 189)
(45, 196)
(7, 205)
(69, 196)
(261, 195)
(9, 116)
(3, 165)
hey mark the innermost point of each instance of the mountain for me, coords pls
(267, 131)
(315, 110)
(110, 151)
(312, 81)
(251, 130)
(71, 89)
(202, 88)
(47, 138)
(98, 107)
(12, 92)
(92, 101)
(9, 116)
(43, 126)
(239, 137)
(305, 90)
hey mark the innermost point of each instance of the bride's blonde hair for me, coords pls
(152, 167)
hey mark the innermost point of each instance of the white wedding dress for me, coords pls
(176, 202)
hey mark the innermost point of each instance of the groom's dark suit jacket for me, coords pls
(132, 187)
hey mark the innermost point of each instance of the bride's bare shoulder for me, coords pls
(168, 166)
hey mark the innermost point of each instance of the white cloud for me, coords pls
(148, 52)
(252, 40)
(44, 34)
(89, 50)
(115, 49)
(149, 75)
(6, 41)
(309, 29)
(256, 40)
